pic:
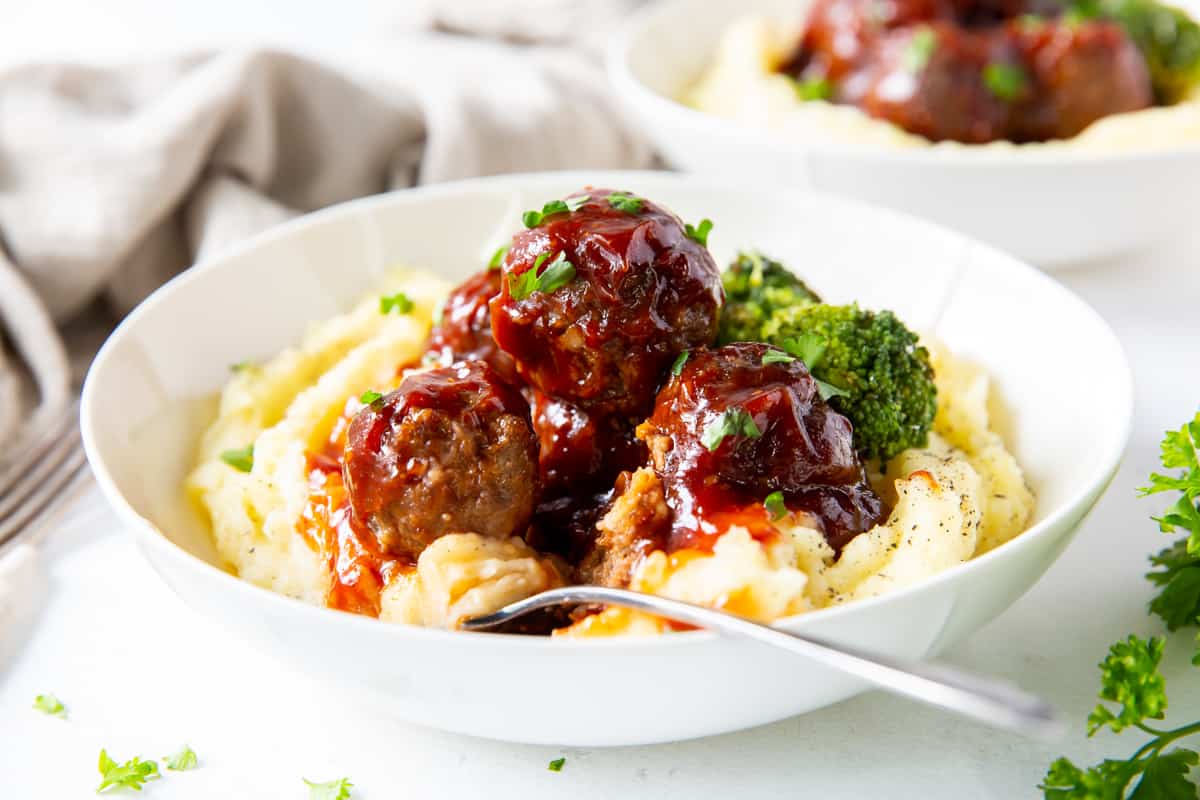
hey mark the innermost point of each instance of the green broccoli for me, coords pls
(1167, 36)
(755, 286)
(883, 378)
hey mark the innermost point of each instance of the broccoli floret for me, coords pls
(881, 378)
(1167, 36)
(755, 286)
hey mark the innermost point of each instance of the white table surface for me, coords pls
(141, 674)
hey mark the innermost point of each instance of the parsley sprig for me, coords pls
(1130, 679)
(557, 274)
(133, 774)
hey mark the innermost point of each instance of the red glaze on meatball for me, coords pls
(464, 332)
(578, 451)
(730, 430)
(642, 292)
(449, 451)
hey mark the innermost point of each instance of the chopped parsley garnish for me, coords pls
(680, 360)
(185, 759)
(49, 704)
(133, 774)
(241, 460)
(370, 398)
(498, 257)
(558, 273)
(808, 347)
(700, 232)
(828, 390)
(919, 50)
(775, 505)
(398, 302)
(624, 201)
(241, 366)
(813, 89)
(556, 765)
(1005, 81)
(575, 203)
(731, 422)
(332, 790)
(774, 356)
(534, 218)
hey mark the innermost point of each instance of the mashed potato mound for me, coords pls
(742, 85)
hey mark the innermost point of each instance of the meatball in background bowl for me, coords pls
(1061, 374)
(1055, 204)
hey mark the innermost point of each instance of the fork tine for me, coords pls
(33, 448)
(46, 493)
(26, 484)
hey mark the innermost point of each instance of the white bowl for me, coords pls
(1059, 369)
(1054, 207)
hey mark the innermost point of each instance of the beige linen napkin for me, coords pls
(114, 179)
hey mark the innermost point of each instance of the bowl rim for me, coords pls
(631, 89)
(147, 534)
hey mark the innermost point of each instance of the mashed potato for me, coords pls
(959, 496)
(741, 85)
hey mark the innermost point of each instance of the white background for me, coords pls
(142, 675)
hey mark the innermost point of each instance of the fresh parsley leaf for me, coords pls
(398, 302)
(1178, 604)
(1107, 781)
(730, 422)
(185, 759)
(49, 704)
(828, 390)
(774, 356)
(133, 774)
(1178, 451)
(680, 360)
(556, 765)
(332, 790)
(534, 218)
(919, 50)
(370, 398)
(558, 273)
(498, 257)
(775, 505)
(1005, 81)
(1165, 777)
(624, 201)
(1129, 677)
(699, 233)
(809, 348)
(241, 460)
(813, 89)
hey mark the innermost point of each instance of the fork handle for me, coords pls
(988, 700)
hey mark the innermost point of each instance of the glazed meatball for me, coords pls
(449, 451)
(1081, 73)
(464, 332)
(730, 430)
(578, 450)
(638, 291)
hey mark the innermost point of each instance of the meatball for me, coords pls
(464, 332)
(638, 291)
(449, 451)
(578, 450)
(1081, 73)
(730, 430)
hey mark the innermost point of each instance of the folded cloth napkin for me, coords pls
(114, 179)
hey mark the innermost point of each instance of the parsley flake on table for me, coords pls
(398, 302)
(498, 257)
(556, 765)
(183, 760)
(133, 774)
(241, 460)
(624, 201)
(558, 273)
(331, 790)
(699, 233)
(730, 422)
(775, 506)
(50, 705)
(680, 360)
(919, 50)
(1005, 81)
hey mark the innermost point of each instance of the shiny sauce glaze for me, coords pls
(730, 430)
(464, 331)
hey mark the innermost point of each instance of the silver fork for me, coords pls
(40, 474)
